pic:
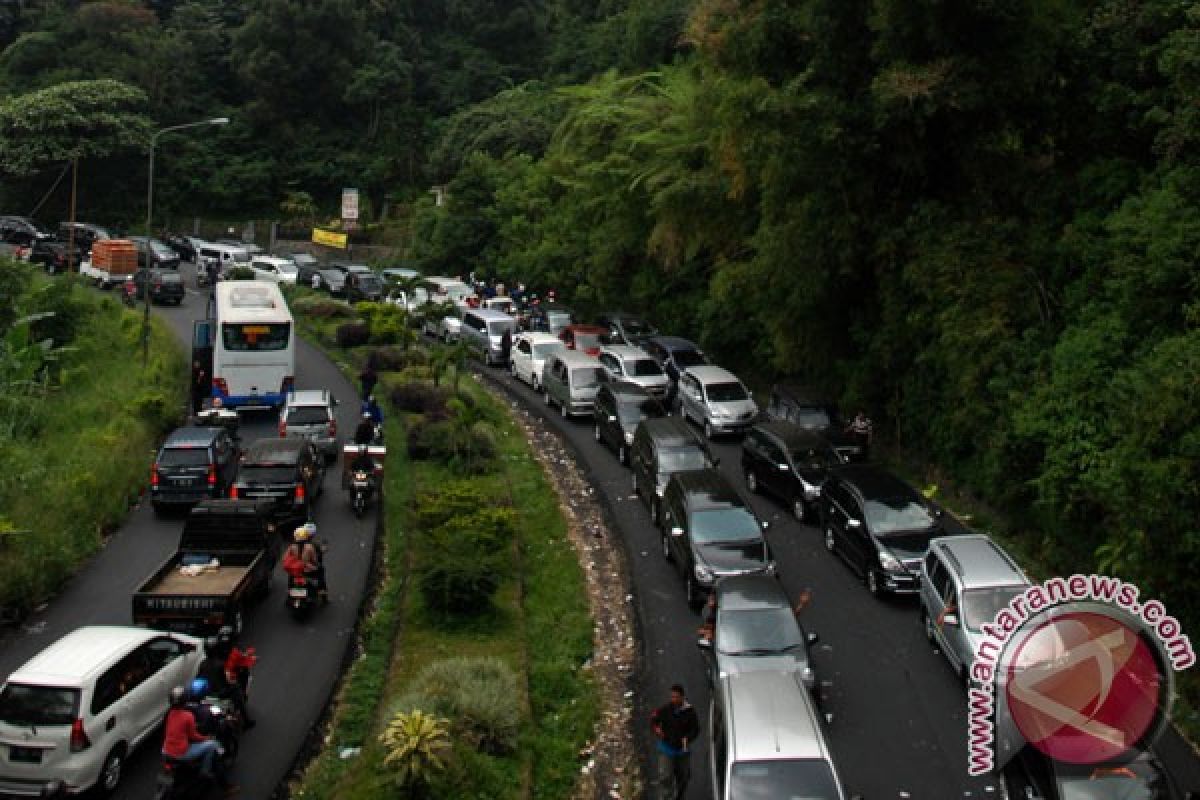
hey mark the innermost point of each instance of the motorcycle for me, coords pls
(362, 488)
(129, 293)
(181, 780)
(301, 596)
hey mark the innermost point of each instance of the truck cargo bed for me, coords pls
(221, 582)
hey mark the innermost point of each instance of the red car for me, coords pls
(584, 338)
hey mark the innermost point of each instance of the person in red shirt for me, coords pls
(183, 742)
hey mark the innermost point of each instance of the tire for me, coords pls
(111, 771)
(830, 542)
(666, 548)
(623, 455)
(872, 581)
(159, 511)
(800, 511)
(752, 482)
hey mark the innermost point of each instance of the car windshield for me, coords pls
(546, 349)
(168, 277)
(308, 415)
(241, 256)
(634, 327)
(266, 474)
(161, 249)
(982, 605)
(498, 327)
(815, 457)
(810, 418)
(796, 779)
(1137, 780)
(255, 336)
(21, 704)
(586, 377)
(558, 319)
(729, 392)
(286, 268)
(885, 516)
(371, 282)
(644, 368)
(688, 358)
(183, 457)
(725, 525)
(633, 413)
(677, 459)
(304, 258)
(762, 632)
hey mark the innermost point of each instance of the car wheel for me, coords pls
(666, 547)
(873, 582)
(830, 542)
(111, 771)
(596, 432)
(799, 510)
(751, 481)
(158, 509)
(623, 455)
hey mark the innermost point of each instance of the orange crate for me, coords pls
(114, 255)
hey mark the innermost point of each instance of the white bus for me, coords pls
(254, 345)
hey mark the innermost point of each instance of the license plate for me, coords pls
(180, 481)
(26, 755)
(298, 593)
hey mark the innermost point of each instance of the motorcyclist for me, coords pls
(303, 557)
(214, 670)
(363, 461)
(364, 433)
(206, 721)
(371, 407)
(183, 742)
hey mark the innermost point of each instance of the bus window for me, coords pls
(255, 336)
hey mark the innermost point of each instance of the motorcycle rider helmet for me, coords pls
(367, 416)
(302, 534)
(177, 696)
(198, 688)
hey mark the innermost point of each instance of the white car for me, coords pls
(633, 364)
(715, 399)
(528, 356)
(273, 268)
(75, 711)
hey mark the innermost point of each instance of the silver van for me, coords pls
(570, 381)
(716, 400)
(227, 256)
(309, 414)
(766, 740)
(965, 581)
(483, 331)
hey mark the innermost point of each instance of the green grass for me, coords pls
(73, 480)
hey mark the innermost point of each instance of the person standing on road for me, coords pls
(861, 427)
(201, 386)
(676, 726)
(369, 378)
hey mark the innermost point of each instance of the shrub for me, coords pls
(392, 358)
(480, 696)
(450, 501)
(428, 439)
(415, 748)
(240, 274)
(459, 583)
(321, 307)
(419, 398)
(352, 334)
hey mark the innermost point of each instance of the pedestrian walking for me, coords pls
(201, 386)
(861, 428)
(675, 726)
(368, 378)
(505, 347)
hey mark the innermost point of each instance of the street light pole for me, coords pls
(150, 222)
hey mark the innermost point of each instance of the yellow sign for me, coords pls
(329, 238)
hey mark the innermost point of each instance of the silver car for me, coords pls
(309, 414)
(570, 381)
(965, 582)
(715, 399)
(634, 365)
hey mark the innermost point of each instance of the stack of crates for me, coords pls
(115, 256)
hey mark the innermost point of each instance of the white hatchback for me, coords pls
(75, 711)
(273, 268)
(528, 356)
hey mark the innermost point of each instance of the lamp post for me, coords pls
(150, 218)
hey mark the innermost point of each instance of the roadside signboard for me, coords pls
(329, 238)
(349, 204)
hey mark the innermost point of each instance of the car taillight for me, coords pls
(332, 427)
(212, 475)
(233, 493)
(79, 737)
(154, 476)
(282, 427)
(299, 493)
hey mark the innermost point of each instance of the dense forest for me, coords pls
(976, 219)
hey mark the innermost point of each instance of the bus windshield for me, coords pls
(255, 336)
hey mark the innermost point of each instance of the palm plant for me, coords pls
(415, 748)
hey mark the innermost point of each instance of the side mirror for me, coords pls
(950, 620)
(611, 418)
(765, 524)
(812, 639)
(854, 524)
(704, 644)
(677, 531)
(784, 467)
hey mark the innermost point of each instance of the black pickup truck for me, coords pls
(224, 561)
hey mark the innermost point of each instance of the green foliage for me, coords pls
(321, 307)
(456, 580)
(479, 696)
(353, 334)
(452, 500)
(416, 745)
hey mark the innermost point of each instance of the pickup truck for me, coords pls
(224, 562)
(112, 261)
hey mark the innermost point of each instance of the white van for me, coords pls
(75, 711)
(227, 256)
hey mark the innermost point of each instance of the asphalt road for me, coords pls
(298, 662)
(897, 725)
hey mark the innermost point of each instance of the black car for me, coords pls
(674, 354)
(663, 446)
(182, 245)
(83, 234)
(165, 285)
(1033, 776)
(364, 286)
(193, 464)
(789, 462)
(626, 328)
(23, 230)
(161, 256)
(618, 409)
(53, 255)
(709, 532)
(287, 472)
(879, 525)
(806, 408)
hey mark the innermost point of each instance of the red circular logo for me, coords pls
(1084, 687)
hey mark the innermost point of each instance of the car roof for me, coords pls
(627, 391)
(573, 358)
(625, 352)
(978, 561)
(308, 397)
(670, 431)
(793, 436)
(269, 450)
(801, 395)
(771, 717)
(576, 327)
(711, 374)
(82, 653)
(191, 436)
(489, 314)
(673, 343)
(873, 481)
(706, 488)
(539, 337)
(750, 593)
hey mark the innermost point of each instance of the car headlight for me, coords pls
(703, 574)
(890, 563)
(629, 438)
(720, 412)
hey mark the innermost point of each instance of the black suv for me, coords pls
(709, 532)
(161, 255)
(23, 230)
(674, 355)
(618, 410)
(164, 285)
(804, 407)
(364, 286)
(879, 525)
(83, 234)
(288, 472)
(194, 463)
(55, 256)
(626, 328)
(662, 446)
(789, 462)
